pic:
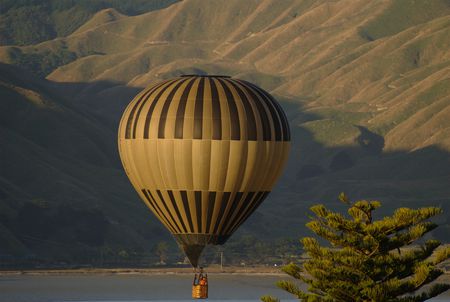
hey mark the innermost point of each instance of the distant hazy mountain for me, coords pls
(365, 84)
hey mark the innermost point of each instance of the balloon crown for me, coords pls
(205, 75)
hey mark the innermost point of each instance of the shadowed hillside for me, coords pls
(63, 193)
(365, 85)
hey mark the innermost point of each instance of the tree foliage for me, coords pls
(367, 260)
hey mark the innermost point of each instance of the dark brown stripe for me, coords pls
(198, 110)
(179, 122)
(177, 211)
(142, 106)
(154, 204)
(198, 208)
(211, 204)
(275, 117)
(223, 206)
(254, 205)
(234, 116)
(187, 210)
(131, 116)
(247, 211)
(245, 205)
(217, 118)
(172, 224)
(234, 203)
(152, 108)
(250, 116)
(284, 120)
(279, 120)
(135, 106)
(281, 114)
(165, 109)
(267, 134)
(168, 211)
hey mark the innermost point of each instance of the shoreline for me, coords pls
(231, 270)
(269, 271)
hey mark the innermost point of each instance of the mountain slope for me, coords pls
(322, 40)
(60, 183)
(29, 22)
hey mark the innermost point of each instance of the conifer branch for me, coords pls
(362, 264)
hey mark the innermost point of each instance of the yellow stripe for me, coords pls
(241, 111)
(188, 126)
(224, 111)
(207, 112)
(169, 130)
(259, 125)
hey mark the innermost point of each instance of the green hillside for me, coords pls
(365, 85)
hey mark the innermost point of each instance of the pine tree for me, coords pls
(367, 260)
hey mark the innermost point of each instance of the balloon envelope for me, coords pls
(203, 152)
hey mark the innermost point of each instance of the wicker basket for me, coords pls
(200, 291)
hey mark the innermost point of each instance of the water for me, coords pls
(133, 288)
(137, 288)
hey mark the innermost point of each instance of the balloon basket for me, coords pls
(200, 286)
(200, 291)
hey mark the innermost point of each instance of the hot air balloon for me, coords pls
(203, 152)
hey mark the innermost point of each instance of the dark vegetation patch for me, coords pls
(43, 63)
(342, 161)
(369, 141)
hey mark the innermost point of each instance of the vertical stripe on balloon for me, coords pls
(187, 210)
(181, 111)
(216, 116)
(138, 104)
(165, 109)
(254, 205)
(153, 202)
(211, 204)
(198, 208)
(151, 109)
(267, 134)
(177, 210)
(198, 111)
(234, 204)
(164, 203)
(249, 115)
(281, 114)
(223, 206)
(138, 113)
(234, 116)
(246, 203)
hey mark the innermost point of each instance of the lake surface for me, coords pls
(137, 288)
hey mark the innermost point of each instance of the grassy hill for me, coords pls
(365, 84)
